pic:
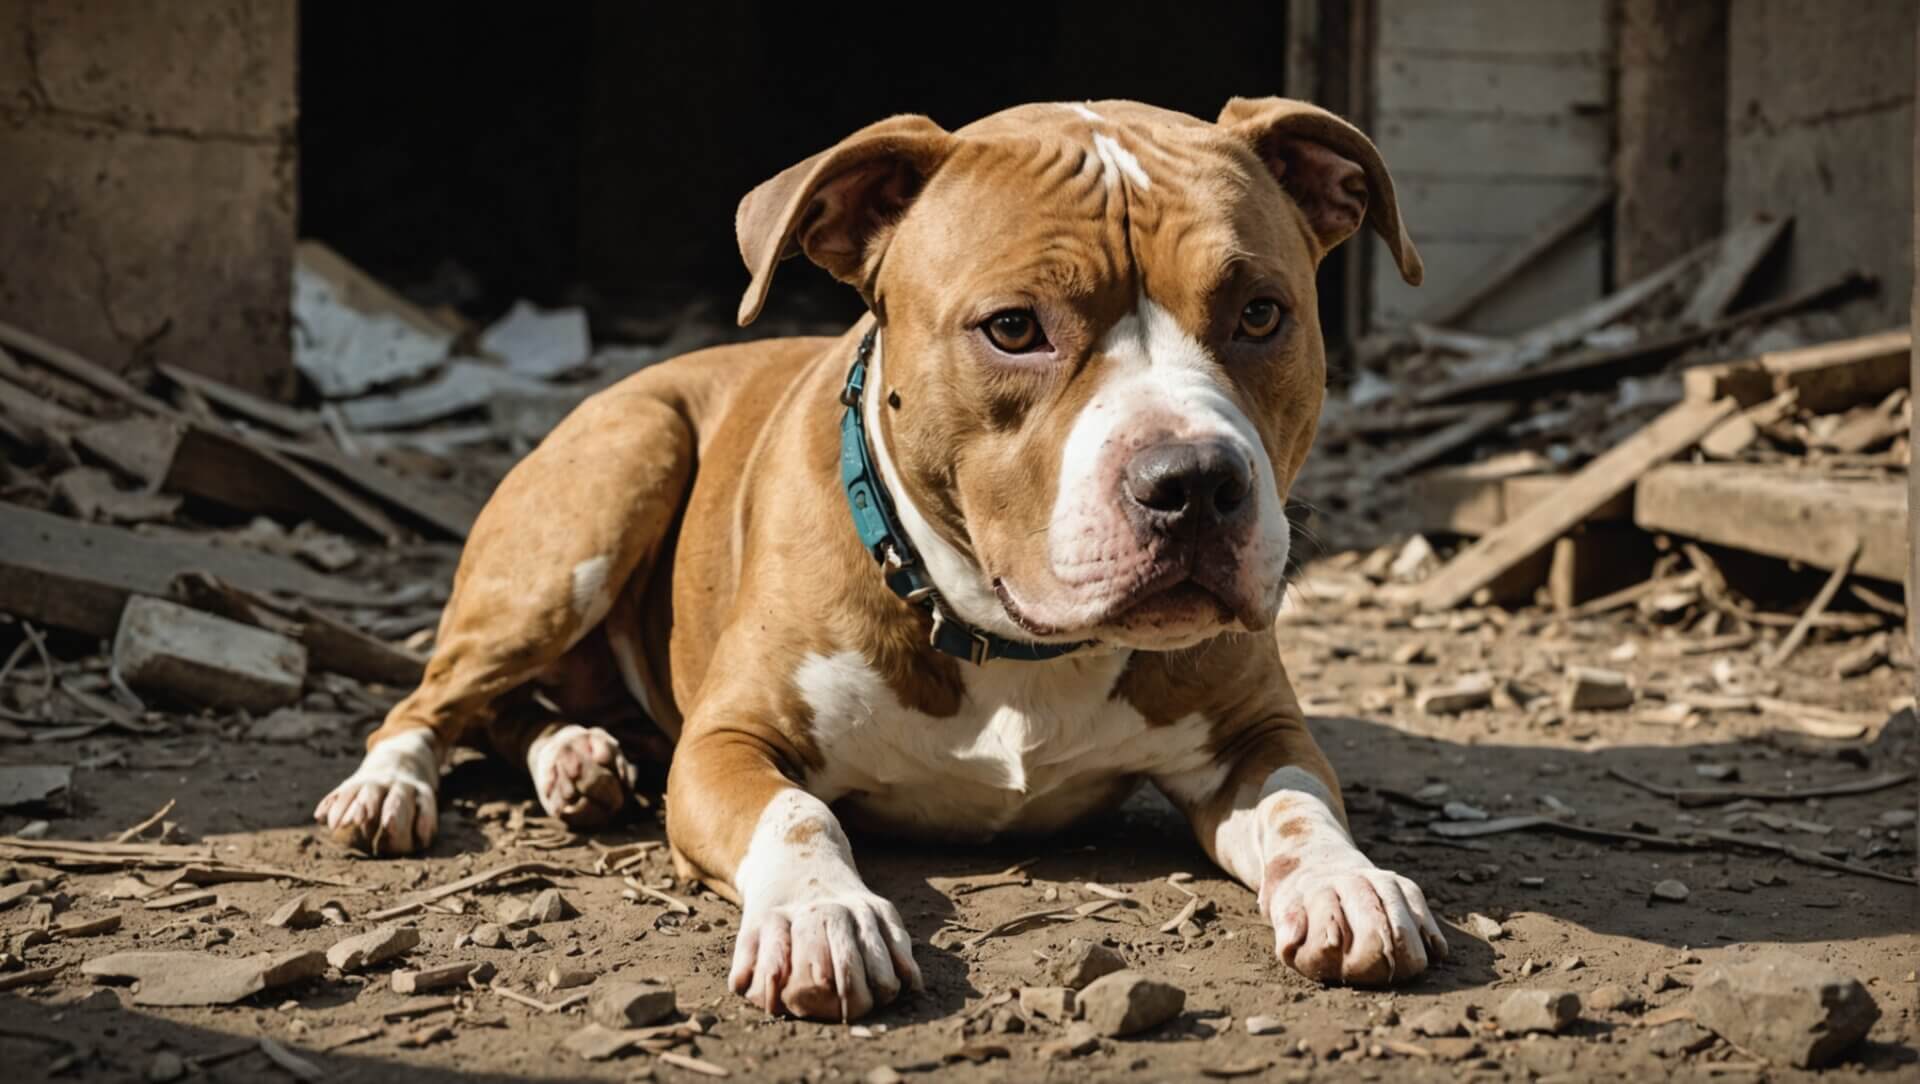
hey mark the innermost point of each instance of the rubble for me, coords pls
(172, 651)
(626, 1004)
(1054, 1003)
(1590, 688)
(1083, 962)
(192, 978)
(1127, 1002)
(539, 343)
(1782, 1005)
(352, 334)
(440, 978)
(1469, 693)
(373, 947)
(1525, 1011)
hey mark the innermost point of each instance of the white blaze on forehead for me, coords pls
(1085, 112)
(1161, 383)
(1117, 161)
(590, 585)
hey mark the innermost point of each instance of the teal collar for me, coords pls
(880, 533)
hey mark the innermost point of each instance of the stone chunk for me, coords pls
(184, 654)
(488, 935)
(1438, 1022)
(1590, 688)
(1127, 1002)
(1054, 1003)
(1613, 997)
(1785, 1006)
(439, 978)
(625, 1004)
(1079, 1041)
(376, 946)
(1083, 962)
(1538, 1010)
(549, 906)
(1265, 1025)
(197, 978)
(1467, 694)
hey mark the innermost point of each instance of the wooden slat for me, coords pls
(1740, 252)
(1801, 516)
(1477, 288)
(1437, 444)
(1600, 481)
(1829, 377)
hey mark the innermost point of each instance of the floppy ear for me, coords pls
(835, 204)
(1329, 167)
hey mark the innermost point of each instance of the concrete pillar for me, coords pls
(147, 186)
(1670, 145)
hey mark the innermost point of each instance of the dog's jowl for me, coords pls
(1011, 545)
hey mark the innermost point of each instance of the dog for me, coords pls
(1012, 544)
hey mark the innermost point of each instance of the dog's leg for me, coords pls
(813, 939)
(566, 530)
(1269, 812)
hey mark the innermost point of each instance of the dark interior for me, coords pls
(594, 153)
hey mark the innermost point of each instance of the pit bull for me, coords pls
(1010, 545)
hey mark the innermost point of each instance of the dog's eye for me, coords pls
(1014, 331)
(1260, 319)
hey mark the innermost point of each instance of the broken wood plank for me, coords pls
(1739, 252)
(1793, 515)
(243, 473)
(1477, 288)
(78, 576)
(1594, 560)
(435, 509)
(1829, 377)
(1592, 487)
(1606, 365)
(255, 409)
(332, 645)
(1437, 444)
(138, 447)
(1470, 499)
(1798, 634)
(67, 363)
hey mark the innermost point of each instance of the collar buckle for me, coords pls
(979, 648)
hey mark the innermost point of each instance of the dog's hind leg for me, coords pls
(564, 533)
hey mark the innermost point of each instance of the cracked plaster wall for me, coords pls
(1820, 125)
(147, 183)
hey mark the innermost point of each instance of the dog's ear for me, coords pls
(836, 204)
(1332, 170)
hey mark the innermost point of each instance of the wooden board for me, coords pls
(1591, 488)
(1740, 252)
(241, 473)
(1830, 376)
(1802, 516)
(1466, 501)
(77, 576)
(1487, 418)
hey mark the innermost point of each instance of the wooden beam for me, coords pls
(1591, 488)
(1829, 376)
(1803, 516)
(1740, 252)
(1485, 419)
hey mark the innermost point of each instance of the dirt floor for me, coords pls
(1573, 913)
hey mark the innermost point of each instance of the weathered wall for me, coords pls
(147, 198)
(1821, 125)
(1670, 149)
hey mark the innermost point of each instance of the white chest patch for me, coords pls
(1033, 746)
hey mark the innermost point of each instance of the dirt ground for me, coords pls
(1556, 898)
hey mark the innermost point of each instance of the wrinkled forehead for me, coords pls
(1081, 199)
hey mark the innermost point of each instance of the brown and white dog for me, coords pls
(1095, 371)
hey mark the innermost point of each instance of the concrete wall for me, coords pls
(1670, 138)
(1820, 117)
(147, 197)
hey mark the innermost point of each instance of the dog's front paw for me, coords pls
(833, 958)
(580, 774)
(1360, 925)
(387, 806)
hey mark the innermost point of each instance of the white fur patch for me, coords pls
(1162, 377)
(542, 751)
(1119, 162)
(1033, 745)
(1085, 113)
(1249, 837)
(590, 587)
(626, 658)
(409, 757)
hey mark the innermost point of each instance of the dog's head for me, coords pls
(1100, 362)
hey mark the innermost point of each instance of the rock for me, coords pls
(1083, 962)
(165, 1067)
(1265, 1025)
(620, 1003)
(566, 978)
(298, 913)
(439, 978)
(1572, 963)
(1485, 927)
(488, 935)
(884, 1074)
(1054, 1003)
(1454, 1049)
(1467, 694)
(536, 342)
(1006, 1021)
(195, 978)
(1538, 1010)
(176, 653)
(1079, 1041)
(1593, 689)
(1127, 1002)
(1671, 890)
(549, 906)
(1781, 1005)
(1438, 1022)
(1412, 652)
(512, 914)
(1461, 811)
(1677, 1038)
(1613, 997)
(598, 1042)
(377, 946)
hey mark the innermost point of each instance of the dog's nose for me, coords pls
(1189, 484)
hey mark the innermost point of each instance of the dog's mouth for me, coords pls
(1175, 593)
